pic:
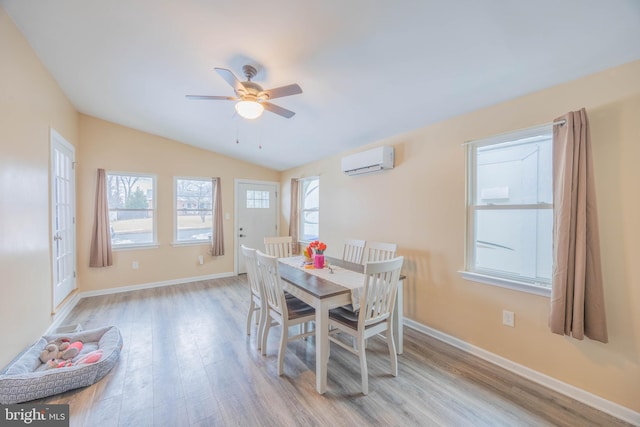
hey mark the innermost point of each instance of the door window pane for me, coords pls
(257, 199)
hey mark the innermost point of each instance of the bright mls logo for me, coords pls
(34, 415)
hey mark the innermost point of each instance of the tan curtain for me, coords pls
(101, 255)
(217, 242)
(293, 217)
(577, 297)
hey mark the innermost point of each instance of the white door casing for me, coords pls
(255, 220)
(63, 227)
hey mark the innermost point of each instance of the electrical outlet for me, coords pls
(508, 318)
(200, 259)
(135, 265)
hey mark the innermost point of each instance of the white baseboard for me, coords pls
(64, 310)
(62, 313)
(154, 285)
(578, 394)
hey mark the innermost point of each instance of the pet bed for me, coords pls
(26, 378)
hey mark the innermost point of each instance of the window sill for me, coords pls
(135, 247)
(506, 283)
(192, 243)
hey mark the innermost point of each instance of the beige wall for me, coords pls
(421, 206)
(30, 104)
(116, 148)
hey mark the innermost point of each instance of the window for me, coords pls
(510, 211)
(194, 210)
(257, 199)
(132, 209)
(309, 209)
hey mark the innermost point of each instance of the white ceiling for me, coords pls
(369, 69)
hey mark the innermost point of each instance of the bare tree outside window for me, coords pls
(131, 209)
(194, 209)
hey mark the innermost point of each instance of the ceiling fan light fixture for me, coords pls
(249, 109)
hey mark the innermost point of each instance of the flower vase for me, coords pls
(318, 261)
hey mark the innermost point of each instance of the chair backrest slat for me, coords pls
(268, 270)
(279, 247)
(378, 251)
(353, 250)
(380, 288)
(249, 255)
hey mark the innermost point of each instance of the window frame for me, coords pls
(153, 208)
(302, 210)
(487, 276)
(190, 242)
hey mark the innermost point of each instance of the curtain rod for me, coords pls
(558, 123)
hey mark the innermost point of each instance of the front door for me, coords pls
(257, 216)
(63, 227)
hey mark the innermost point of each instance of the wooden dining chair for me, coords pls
(285, 311)
(378, 251)
(377, 300)
(353, 250)
(255, 286)
(279, 247)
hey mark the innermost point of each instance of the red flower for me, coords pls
(318, 246)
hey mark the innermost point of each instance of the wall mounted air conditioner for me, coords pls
(368, 161)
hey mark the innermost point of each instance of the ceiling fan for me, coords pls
(252, 99)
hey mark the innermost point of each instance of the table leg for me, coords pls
(322, 345)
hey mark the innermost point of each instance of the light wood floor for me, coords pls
(187, 361)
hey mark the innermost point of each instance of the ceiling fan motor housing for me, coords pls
(249, 71)
(253, 92)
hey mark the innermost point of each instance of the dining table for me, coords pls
(335, 285)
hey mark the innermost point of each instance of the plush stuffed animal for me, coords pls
(91, 357)
(60, 348)
(58, 363)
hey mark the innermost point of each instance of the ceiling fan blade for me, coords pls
(281, 91)
(231, 78)
(209, 97)
(278, 110)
